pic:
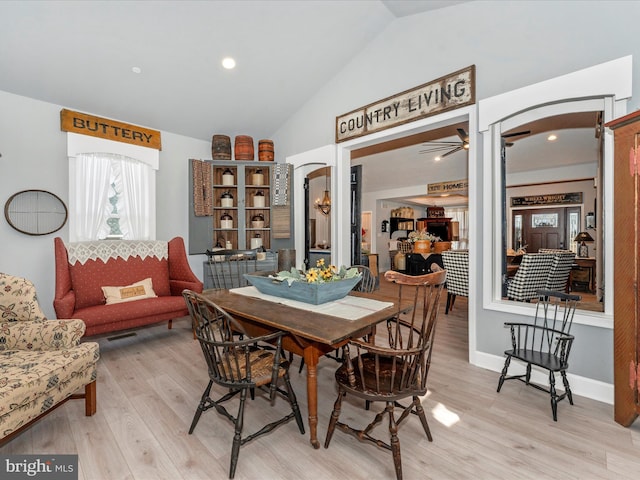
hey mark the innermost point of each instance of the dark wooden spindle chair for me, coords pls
(227, 267)
(238, 364)
(545, 343)
(395, 368)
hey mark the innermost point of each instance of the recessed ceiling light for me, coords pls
(437, 159)
(228, 63)
(136, 69)
(552, 137)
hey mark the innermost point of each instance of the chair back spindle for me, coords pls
(227, 267)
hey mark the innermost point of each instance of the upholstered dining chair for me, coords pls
(558, 277)
(545, 343)
(238, 364)
(456, 263)
(395, 368)
(531, 276)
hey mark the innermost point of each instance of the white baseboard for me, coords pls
(586, 387)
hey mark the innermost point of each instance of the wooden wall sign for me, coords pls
(445, 93)
(77, 122)
(455, 186)
(551, 199)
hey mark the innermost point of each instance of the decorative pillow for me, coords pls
(18, 300)
(135, 291)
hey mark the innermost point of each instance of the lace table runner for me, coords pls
(348, 308)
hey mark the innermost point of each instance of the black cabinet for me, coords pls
(419, 264)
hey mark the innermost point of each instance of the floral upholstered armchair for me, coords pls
(42, 362)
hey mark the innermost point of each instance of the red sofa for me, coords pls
(83, 268)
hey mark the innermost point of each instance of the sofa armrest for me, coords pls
(178, 286)
(64, 300)
(47, 335)
(180, 274)
(66, 305)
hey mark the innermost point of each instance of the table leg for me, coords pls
(311, 356)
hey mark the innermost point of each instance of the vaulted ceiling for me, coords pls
(81, 55)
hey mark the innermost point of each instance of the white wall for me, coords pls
(34, 156)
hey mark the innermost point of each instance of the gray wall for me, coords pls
(512, 44)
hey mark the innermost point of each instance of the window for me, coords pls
(602, 88)
(111, 190)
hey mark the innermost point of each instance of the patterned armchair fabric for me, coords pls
(42, 362)
(41, 336)
(18, 300)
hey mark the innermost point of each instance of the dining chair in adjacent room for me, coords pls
(531, 276)
(238, 365)
(456, 263)
(368, 281)
(545, 343)
(558, 277)
(227, 267)
(395, 368)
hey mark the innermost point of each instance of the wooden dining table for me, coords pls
(310, 334)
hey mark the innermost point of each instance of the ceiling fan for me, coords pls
(452, 147)
(463, 144)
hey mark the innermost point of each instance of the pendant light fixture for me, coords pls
(325, 205)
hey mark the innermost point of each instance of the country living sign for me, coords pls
(550, 199)
(446, 93)
(84, 124)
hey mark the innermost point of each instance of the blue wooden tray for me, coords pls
(315, 293)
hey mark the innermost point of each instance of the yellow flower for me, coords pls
(320, 262)
(312, 275)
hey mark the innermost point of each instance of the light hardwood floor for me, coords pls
(149, 385)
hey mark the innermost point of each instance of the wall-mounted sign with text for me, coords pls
(550, 199)
(441, 188)
(446, 93)
(77, 122)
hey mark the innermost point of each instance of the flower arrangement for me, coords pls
(321, 273)
(423, 235)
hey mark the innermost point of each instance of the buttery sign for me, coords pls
(551, 199)
(446, 93)
(448, 187)
(77, 122)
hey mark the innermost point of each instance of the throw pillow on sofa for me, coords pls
(128, 293)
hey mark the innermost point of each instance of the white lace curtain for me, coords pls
(94, 173)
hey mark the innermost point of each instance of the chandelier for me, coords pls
(325, 205)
